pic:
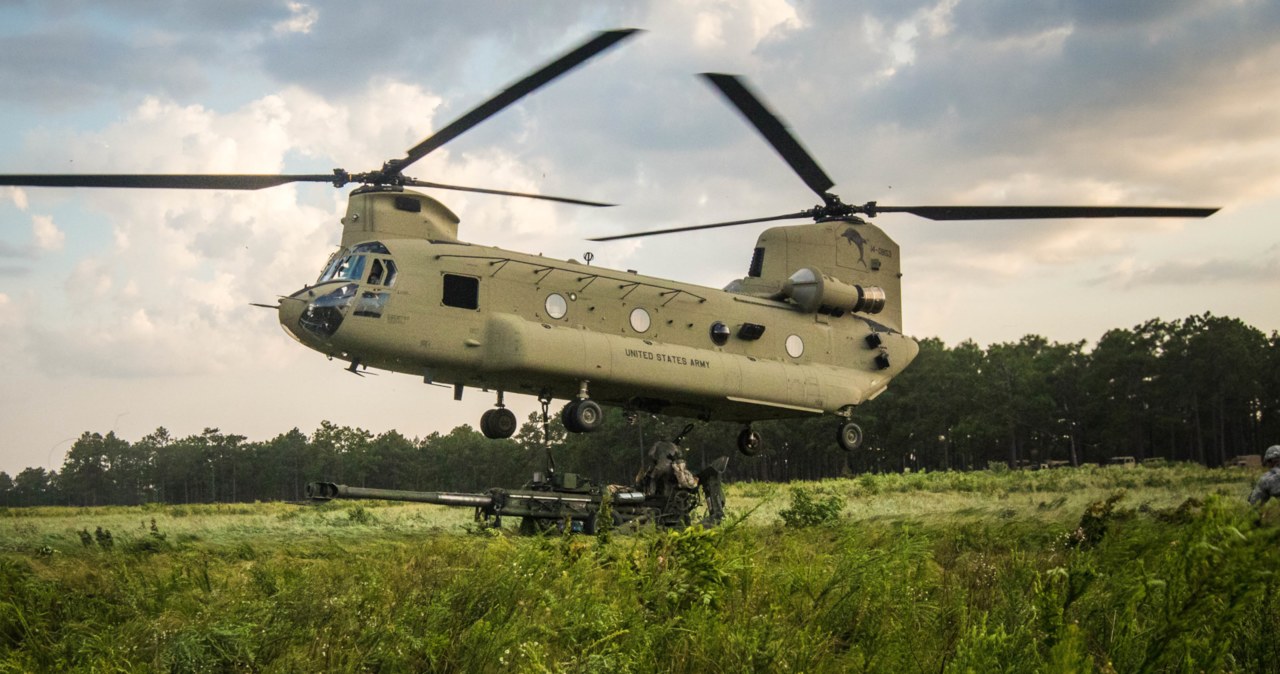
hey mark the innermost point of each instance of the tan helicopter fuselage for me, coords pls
(404, 294)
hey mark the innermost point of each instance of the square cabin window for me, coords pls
(462, 292)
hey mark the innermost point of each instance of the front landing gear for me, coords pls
(498, 423)
(582, 414)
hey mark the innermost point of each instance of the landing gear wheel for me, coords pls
(586, 415)
(569, 418)
(749, 442)
(498, 424)
(849, 436)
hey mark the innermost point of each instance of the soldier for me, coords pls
(669, 472)
(1269, 484)
(668, 466)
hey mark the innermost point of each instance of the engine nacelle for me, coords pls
(812, 291)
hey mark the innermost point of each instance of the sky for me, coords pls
(129, 310)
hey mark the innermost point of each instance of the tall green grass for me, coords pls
(917, 573)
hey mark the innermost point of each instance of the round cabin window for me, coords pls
(640, 320)
(795, 346)
(556, 306)
(719, 333)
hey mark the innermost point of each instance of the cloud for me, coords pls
(47, 235)
(400, 38)
(1262, 270)
(11, 251)
(302, 18)
(60, 57)
(169, 294)
(18, 196)
(1051, 89)
(64, 68)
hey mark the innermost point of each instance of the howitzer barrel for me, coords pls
(539, 504)
(325, 491)
(661, 497)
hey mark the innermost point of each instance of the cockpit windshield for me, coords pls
(350, 265)
(349, 268)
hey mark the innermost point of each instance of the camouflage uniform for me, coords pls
(1269, 484)
(669, 471)
(668, 466)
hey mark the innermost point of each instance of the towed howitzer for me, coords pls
(559, 499)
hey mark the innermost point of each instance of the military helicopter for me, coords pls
(814, 328)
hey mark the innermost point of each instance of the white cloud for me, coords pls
(48, 236)
(170, 293)
(301, 19)
(18, 196)
(723, 25)
(140, 323)
(88, 283)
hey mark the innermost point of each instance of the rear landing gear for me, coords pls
(749, 442)
(498, 423)
(849, 436)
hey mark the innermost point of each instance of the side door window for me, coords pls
(462, 292)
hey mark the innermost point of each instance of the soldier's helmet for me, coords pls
(670, 451)
(1273, 453)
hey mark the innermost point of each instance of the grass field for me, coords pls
(1126, 570)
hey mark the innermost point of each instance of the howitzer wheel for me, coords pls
(678, 509)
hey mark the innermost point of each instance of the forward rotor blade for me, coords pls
(788, 216)
(1039, 212)
(514, 93)
(459, 188)
(155, 180)
(773, 129)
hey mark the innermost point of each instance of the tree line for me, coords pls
(1203, 389)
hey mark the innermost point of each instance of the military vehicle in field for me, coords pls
(665, 495)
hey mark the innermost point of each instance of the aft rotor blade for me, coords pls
(155, 180)
(514, 93)
(1039, 212)
(653, 232)
(773, 129)
(459, 188)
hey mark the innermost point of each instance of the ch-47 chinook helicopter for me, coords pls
(815, 328)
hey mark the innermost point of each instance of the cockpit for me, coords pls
(349, 264)
(367, 263)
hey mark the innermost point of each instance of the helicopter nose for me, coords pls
(290, 312)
